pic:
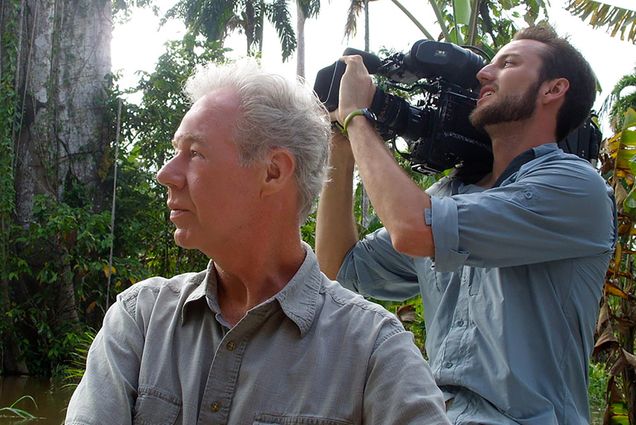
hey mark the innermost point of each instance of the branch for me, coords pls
(413, 19)
(472, 24)
(440, 19)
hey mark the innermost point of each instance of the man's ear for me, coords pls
(554, 89)
(279, 170)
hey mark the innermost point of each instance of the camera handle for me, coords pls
(327, 84)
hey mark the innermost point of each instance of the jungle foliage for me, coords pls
(616, 326)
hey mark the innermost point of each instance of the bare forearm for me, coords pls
(336, 231)
(399, 202)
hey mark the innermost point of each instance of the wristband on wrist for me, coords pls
(366, 112)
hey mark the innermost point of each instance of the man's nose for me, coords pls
(170, 175)
(485, 74)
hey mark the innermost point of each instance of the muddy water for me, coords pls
(51, 399)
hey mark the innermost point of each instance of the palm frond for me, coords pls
(355, 8)
(310, 8)
(278, 14)
(600, 15)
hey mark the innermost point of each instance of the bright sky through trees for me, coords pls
(138, 43)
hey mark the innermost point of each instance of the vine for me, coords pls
(8, 117)
(9, 114)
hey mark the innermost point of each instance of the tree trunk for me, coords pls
(63, 81)
(366, 202)
(62, 65)
(300, 47)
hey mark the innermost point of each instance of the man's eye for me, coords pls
(508, 63)
(194, 153)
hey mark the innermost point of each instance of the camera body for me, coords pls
(437, 128)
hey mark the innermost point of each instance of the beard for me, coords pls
(507, 109)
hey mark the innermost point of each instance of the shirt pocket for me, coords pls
(266, 419)
(155, 407)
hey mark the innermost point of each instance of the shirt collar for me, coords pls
(297, 299)
(199, 293)
(515, 165)
(523, 158)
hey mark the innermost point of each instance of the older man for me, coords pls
(510, 267)
(261, 336)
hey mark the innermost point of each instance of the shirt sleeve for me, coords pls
(400, 387)
(108, 389)
(373, 268)
(562, 209)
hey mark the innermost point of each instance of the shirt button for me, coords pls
(230, 346)
(215, 407)
(448, 365)
(460, 323)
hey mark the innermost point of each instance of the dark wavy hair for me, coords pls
(562, 60)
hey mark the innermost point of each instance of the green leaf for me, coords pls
(628, 138)
(629, 204)
(618, 414)
(629, 119)
(462, 11)
(20, 412)
(624, 158)
(632, 164)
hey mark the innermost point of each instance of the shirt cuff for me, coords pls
(444, 223)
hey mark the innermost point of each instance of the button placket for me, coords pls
(223, 374)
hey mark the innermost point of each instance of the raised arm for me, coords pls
(399, 202)
(336, 230)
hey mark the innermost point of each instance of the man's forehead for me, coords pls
(223, 99)
(215, 112)
(523, 48)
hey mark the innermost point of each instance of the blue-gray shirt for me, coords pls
(511, 298)
(314, 354)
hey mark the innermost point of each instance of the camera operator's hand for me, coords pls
(356, 87)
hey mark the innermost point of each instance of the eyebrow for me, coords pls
(186, 138)
(506, 56)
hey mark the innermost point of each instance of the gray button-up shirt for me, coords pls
(315, 353)
(512, 296)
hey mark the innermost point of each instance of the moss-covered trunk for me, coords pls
(60, 127)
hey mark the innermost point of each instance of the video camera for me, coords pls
(437, 129)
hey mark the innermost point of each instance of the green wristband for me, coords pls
(366, 112)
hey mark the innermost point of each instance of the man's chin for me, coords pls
(183, 239)
(485, 118)
(475, 121)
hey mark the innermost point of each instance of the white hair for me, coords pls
(274, 112)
